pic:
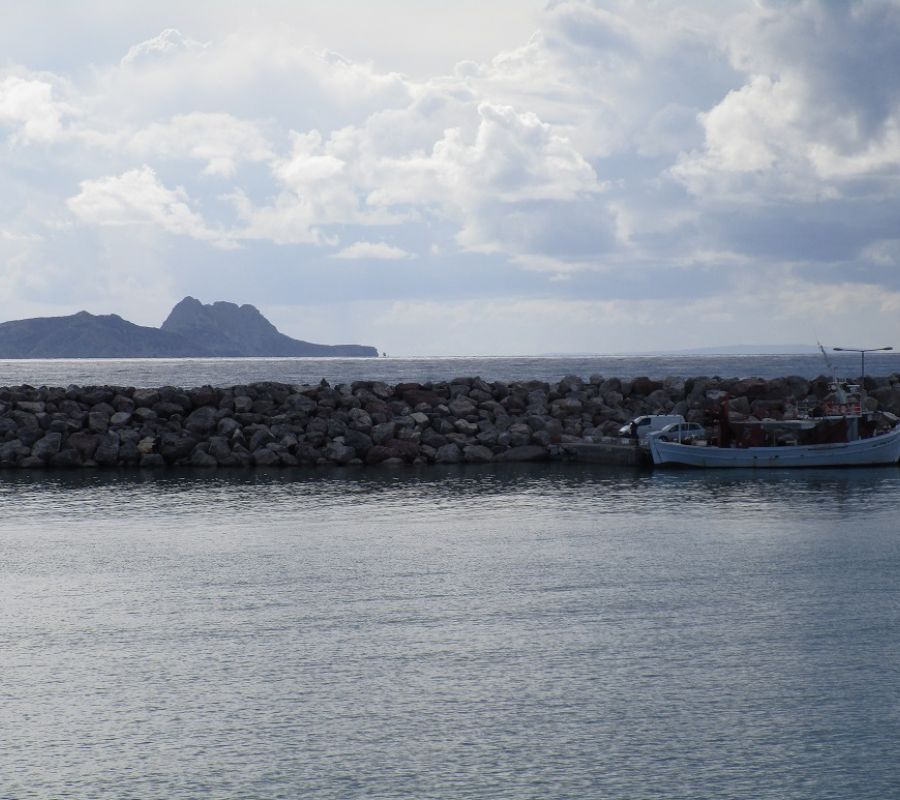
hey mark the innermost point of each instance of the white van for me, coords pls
(640, 427)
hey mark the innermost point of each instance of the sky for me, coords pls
(468, 178)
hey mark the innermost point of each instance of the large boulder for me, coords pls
(339, 452)
(175, 447)
(47, 446)
(107, 452)
(202, 420)
(449, 454)
(477, 454)
(529, 452)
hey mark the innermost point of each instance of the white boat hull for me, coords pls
(883, 449)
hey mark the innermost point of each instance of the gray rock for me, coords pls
(360, 420)
(260, 438)
(145, 398)
(202, 420)
(432, 438)
(107, 452)
(84, 444)
(465, 427)
(358, 440)
(202, 459)
(339, 452)
(119, 419)
(477, 454)
(152, 461)
(66, 459)
(383, 432)
(462, 407)
(524, 453)
(264, 457)
(448, 454)
(243, 404)
(98, 421)
(227, 426)
(47, 446)
(519, 434)
(175, 447)
(11, 453)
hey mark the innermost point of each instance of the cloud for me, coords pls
(624, 147)
(379, 251)
(137, 197)
(810, 121)
(220, 140)
(169, 42)
(30, 105)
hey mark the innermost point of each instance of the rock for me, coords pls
(84, 444)
(264, 457)
(360, 420)
(383, 432)
(462, 407)
(128, 452)
(227, 426)
(519, 434)
(358, 441)
(466, 428)
(420, 419)
(119, 419)
(260, 438)
(12, 453)
(338, 452)
(524, 453)
(66, 459)
(47, 446)
(202, 420)
(175, 447)
(203, 396)
(202, 459)
(152, 461)
(145, 398)
(432, 438)
(477, 454)
(107, 452)
(449, 454)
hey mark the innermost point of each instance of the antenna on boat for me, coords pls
(828, 363)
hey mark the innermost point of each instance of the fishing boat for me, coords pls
(839, 434)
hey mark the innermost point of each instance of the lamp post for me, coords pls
(862, 352)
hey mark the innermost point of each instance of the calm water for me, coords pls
(546, 631)
(233, 371)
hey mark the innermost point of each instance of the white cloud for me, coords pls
(137, 197)
(167, 43)
(220, 140)
(30, 105)
(811, 119)
(379, 251)
(622, 144)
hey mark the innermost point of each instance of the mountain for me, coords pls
(191, 330)
(227, 329)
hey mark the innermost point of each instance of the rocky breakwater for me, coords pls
(463, 420)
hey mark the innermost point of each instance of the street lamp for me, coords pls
(862, 352)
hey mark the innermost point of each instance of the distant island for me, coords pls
(192, 330)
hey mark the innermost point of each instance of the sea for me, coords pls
(460, 631)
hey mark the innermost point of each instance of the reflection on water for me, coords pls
(548, 631)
